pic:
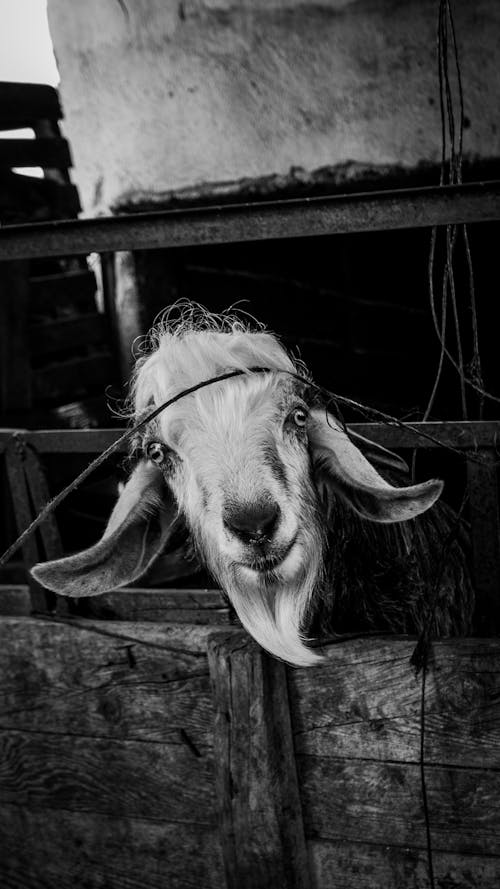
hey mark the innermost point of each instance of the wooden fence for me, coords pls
(151, 744)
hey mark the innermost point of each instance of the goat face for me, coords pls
(241, 474)
(253, 469)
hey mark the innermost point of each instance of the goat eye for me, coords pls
(299, 417)
(156, 452)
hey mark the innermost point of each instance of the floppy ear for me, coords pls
(378, 456)
(137, 532)
(340, 466)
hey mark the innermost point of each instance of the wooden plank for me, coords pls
(364, 702)
(144, 682)
(53, 295)
(68, 379)
(34, 153)
(39, 495)
(48, 849)
(262, 833)
(167, 605)
(362, 866)
(154, 781)
(70, 333)
(382, 803)
(24, 103)
(14, 600)
(484, 504)
(467, 435)
(20, 465)
(23, 197)
(237, 223)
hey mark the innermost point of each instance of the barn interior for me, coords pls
(181, 107)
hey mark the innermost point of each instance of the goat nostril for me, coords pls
(253, 523)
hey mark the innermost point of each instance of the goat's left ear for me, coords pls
(341, 467)
(137, 531)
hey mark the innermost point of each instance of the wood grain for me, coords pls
(156, 781)
(121, 680)
(364, 702)
(262, 833)
(382, 803)
(169, 605)
(342, 865)
(45, 849)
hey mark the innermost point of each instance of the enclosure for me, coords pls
(148, 742)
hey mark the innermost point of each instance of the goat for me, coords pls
(305, 526)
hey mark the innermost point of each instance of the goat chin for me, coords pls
(272, 606)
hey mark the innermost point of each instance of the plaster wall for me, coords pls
(161, 95)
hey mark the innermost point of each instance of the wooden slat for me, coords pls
(364, 701)
(35, 153)
(368, 866)
(107, 680)
(155, 781)
(48, 849)
(261, 822)
(39, 496)
(465, 436)
(14, 600)
(70, 378)
(168, 605)
(53, 294)
(24, 103)
(24, 197)
(21, 464)
(382, 803)
(69, 333)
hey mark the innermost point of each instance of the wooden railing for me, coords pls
(476, 442)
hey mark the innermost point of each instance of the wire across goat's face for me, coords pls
(239, 466)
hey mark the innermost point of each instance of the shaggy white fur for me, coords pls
(252, 468)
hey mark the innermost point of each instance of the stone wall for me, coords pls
(162, 95)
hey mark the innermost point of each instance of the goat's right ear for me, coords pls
(137, 532)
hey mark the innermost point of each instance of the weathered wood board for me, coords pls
(356, 726)
(150, 754)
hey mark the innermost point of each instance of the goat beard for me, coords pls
(273, 608)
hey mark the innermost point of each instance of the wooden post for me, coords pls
(262, 833)
(30, 493)
(482, 480)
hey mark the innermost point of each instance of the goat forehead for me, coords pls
(248, 407)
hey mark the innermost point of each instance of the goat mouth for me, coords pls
(267, 563)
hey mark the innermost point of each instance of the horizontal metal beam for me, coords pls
(336, 214)
(463, 435)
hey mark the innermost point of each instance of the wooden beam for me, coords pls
(298, 218)
(34, 153)
(262, 833)
(23, 104)
(466, 435)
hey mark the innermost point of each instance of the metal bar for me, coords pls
(334, 214)
(465, 435)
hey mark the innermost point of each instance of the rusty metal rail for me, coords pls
(305, 217)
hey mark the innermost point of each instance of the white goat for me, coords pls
(266, 482)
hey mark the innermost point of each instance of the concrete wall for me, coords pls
(161, 95)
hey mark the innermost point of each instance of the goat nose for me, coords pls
(254, 522)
